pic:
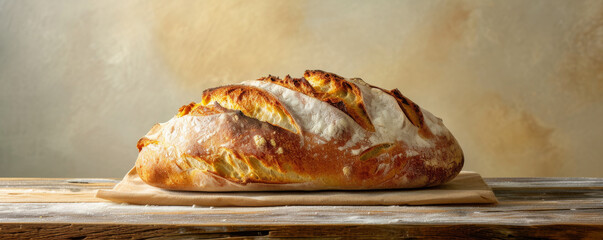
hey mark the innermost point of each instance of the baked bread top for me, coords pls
(318, 132)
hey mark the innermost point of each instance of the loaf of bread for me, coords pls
(318, 132)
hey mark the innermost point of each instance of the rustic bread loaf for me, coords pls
(321, 131)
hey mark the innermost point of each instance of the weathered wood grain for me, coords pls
(72, 184)
(542, 183)
(566, 208)
(293, 215)
(22, 190)
(131, 231)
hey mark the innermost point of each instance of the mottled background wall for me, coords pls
(519, 83)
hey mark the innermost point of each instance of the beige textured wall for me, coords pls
(519, 83)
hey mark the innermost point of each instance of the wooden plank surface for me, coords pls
(529, 207)
(21, 190)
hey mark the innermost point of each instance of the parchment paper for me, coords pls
(467, 187)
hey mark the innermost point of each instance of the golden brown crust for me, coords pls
(329, 88)
(253, 102)
(411, 110)
(244, 138)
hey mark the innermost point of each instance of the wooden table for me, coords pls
(529, 207)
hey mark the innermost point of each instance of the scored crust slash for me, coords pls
(317, 132)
